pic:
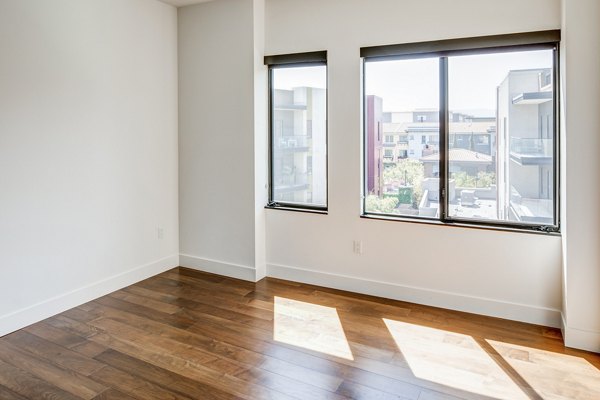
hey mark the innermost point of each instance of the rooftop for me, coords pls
(477, 127)
(461, 155)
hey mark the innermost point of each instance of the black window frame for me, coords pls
(296, 60)
(442, 50)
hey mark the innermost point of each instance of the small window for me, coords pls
(298, 131)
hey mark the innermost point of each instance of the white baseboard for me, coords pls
(579, 338)
(435, 298)
(218, 267)
(55, 305)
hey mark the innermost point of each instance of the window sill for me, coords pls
(460, 224)
(298, 209)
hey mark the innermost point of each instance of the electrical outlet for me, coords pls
(358, 248)
(160, 233)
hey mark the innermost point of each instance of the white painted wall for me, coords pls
(88, 151)
(513, 275)
(221, 198)
(581, 141)
(261, 145)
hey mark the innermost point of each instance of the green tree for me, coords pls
(486, 179)
(385, 205)
(408, 172)
(482, 180)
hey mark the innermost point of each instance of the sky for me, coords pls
(410, 84)
(289, 78)
(406, 85)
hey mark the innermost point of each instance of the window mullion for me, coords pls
(556, 136)
(443, 135)
(270, 161)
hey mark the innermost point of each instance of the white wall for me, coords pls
(512, 275)
(221, 212)
(261, 145)
(88, 151)
(581, 121)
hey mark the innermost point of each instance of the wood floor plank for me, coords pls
(146, 302)
(286, 385)
(431, 395)
(223, 300)
(160, 376)
(89, 349)
(7, 394)
(171, 319)
(113, 394)
(355, 391)
(223, 364)
(55, 335)
(138, 388)
(67, 380)
(225, 350)
(29, 386)
(200, 283)
(52, 352)
(186, 366)
(358, 369)
(72, 327)
(185, 334)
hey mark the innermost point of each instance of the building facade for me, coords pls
(299, 145)
(525, 146)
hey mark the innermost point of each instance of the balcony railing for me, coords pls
(531, 146)
(291, 179)
(531, 151)
(287, 142)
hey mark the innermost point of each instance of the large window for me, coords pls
(298, 131)
(480, 118)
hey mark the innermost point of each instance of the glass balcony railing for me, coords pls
(286, 142)
(531, 147)
(291, 179)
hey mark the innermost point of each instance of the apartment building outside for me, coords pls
(299, 140)
(525, 146)
(415, 134)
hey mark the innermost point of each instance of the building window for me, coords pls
(298, 131)
(479, 87)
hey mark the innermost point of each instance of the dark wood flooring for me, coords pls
(189, 335)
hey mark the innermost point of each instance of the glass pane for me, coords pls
(402, 137)
(501, 137)
(299, 135)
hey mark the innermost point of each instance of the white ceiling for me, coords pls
(181, 3)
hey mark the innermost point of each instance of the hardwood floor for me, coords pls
(189, 335)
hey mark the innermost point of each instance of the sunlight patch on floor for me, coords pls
(453, 360)
(552, 375)
(310, 326)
